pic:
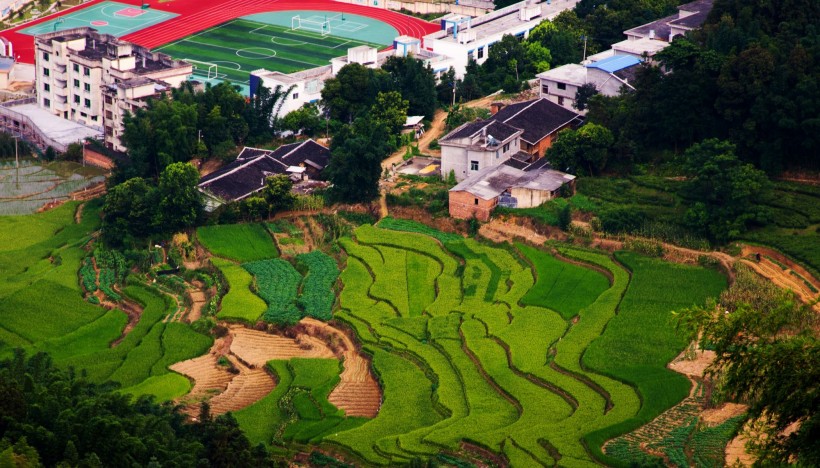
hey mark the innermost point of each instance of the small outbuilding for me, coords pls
(508, 185)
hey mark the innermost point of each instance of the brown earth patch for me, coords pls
(357, 393)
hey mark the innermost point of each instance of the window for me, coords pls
(46, 72)
(46, 87)
(481, 52)
(109, 115)
(76, 68)
(475, 201)
(470, 56)
(46, 102)
(560, 101)
(94, 118)
(86, 71)
(45, 56)
(83, 114)
(76, 99)
(87, 87)
(295, 95)
(545, 89)
(473, 165)
(87, 103)
(506, 147)
(108, 100)
(562, 86)
(76, 83)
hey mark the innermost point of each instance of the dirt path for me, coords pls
(198, 301)
(134, 312)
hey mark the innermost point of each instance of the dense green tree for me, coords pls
(584, 151)
(767, 356)
(583, 95)
(262, 112)
(180, 203)
(61, 418)
(306, 119)
(355, 164)
(353, 90)
(163, 133)
(390, 110)
(129, 212)
(725, 190)
(277, 193)
(562, 37)
(416, 83)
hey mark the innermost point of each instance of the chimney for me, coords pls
(495, 107)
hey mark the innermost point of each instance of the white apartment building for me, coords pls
(609, 75)
(75, 69)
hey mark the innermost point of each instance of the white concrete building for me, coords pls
(690, 16)
(126, 97)
(609, 75)
(478, 145)
(463, 38)
(74, 66)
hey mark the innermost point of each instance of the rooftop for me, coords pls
(570, 73)
(615, 63)
(499, 131)
(246, 175)
(640, 46)
(660, 27)
(538, 118)
(693, 21)
(491, 182)
(61, 130)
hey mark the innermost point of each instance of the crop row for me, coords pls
(277, 282)
(317, 296)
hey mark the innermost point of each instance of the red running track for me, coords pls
(198, 15)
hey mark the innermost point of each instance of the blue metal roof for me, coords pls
(615, 63)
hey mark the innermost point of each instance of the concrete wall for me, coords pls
(464, 205)
(528, 198)
(477, 9)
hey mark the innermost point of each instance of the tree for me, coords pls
(565, 217)
(180, 203)
(355, 164)
(163, 133)
(767, 356)
(390, 110)
(353, 90)
(584, 93)
(416, 83)
(306, 119)
(262, 113)
(277, 193)
(538, 56)
(129, 213)
(583, 151)
(725, 191)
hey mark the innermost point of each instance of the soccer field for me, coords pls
(241, 46)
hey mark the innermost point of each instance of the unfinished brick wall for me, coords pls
(463, 206)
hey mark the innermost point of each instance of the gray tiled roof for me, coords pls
(491, 182)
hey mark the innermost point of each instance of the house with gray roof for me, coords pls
(246, 175)
(521, 131)
(508, 185)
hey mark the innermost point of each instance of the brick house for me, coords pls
(507, 184)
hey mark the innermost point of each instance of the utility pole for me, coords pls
(17, 161)
(585, 47)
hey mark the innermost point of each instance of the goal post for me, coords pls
(319, 27)
(207, 69)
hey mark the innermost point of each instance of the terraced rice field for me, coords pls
(471, 346)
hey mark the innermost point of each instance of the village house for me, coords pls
(523, 131)
(302, 161)
(540, 121)
(560, 85)
(509, 185)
